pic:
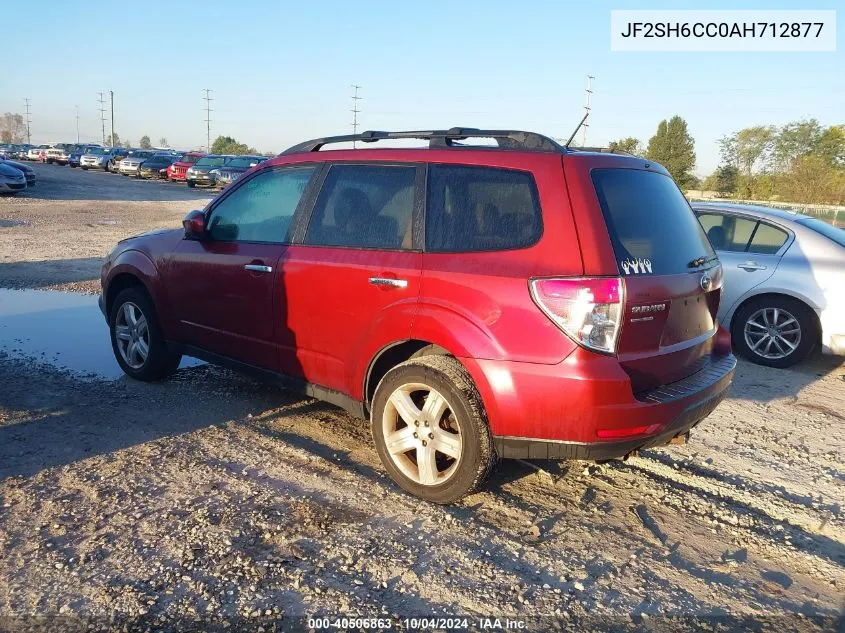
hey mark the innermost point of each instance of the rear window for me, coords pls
(480, 209)
(216, 161)
(651, 226)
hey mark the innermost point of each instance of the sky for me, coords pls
(281, 72)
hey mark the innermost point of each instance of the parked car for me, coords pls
(77, 151)
(28, 172)
(130, 165)
(156, 166)
(58, 155)
(200, 172)
(784, 291)
(177, 170)
(99, 157)
(20, 151)
(11, 180)
(233, 167)
(524, 299)
(37, 152)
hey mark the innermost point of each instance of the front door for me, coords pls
(356, 277)
(224, 288)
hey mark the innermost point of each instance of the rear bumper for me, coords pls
(585, 408)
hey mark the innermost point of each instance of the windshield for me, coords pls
(188, 158)
(649, 219)
(828, 230)
(241, 162)
(211, 161)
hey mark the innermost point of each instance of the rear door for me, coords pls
(672, 277)
(748, 249)
(356, 276)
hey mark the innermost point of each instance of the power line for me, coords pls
(208, 112)
(103, 117)
(355, 111)
(587, 94)
(28, 135)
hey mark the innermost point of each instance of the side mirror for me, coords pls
(194, 224)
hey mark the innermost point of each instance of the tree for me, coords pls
(811, 179)
(12, 128)
(228, 145)
(674, 148)
(723, 180)
(113, 142)
(627, 145)
(162, 142)
(795, 139)
(144, 143)
(748, 148)
(831, 145)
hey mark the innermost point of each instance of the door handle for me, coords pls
(258, 268)
(387, 282)
(749, 265)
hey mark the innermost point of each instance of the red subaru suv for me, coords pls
(519, 300)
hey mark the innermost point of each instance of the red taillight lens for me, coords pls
(588, 309)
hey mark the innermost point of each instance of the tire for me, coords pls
(191, 183)
(160, 362)
(460, 409)
(83, 168)
(795, 325)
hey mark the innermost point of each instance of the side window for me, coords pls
(365, 206)
(767, 239)
(480, 209)
(260, 209)
(727, 232)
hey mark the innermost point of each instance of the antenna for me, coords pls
(355, 111)
(576, 130)
(587, 94)
(208, 112)
(28, 139)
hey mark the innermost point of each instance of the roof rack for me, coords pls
(506, 139)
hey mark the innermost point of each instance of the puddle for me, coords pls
(62, 329)
(5, 224)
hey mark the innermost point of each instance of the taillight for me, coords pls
(588, 309)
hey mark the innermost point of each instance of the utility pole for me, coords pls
(111, 97)
(355, 111)
(103, 118)
(208, 112)
(588, 92)
(77, 125)
(28, 136)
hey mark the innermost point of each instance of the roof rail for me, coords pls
(603, 150)
(506, 139)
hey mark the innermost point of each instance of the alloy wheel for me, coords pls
(132, 334)
(772, 333)
(422, 434)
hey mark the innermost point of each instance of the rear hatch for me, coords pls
(671, 275)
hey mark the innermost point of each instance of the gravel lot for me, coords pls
(214, 502)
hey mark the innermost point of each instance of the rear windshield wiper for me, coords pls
(700, 261)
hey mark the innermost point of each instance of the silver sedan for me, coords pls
(784, 281)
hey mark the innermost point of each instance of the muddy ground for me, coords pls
(212, 501)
